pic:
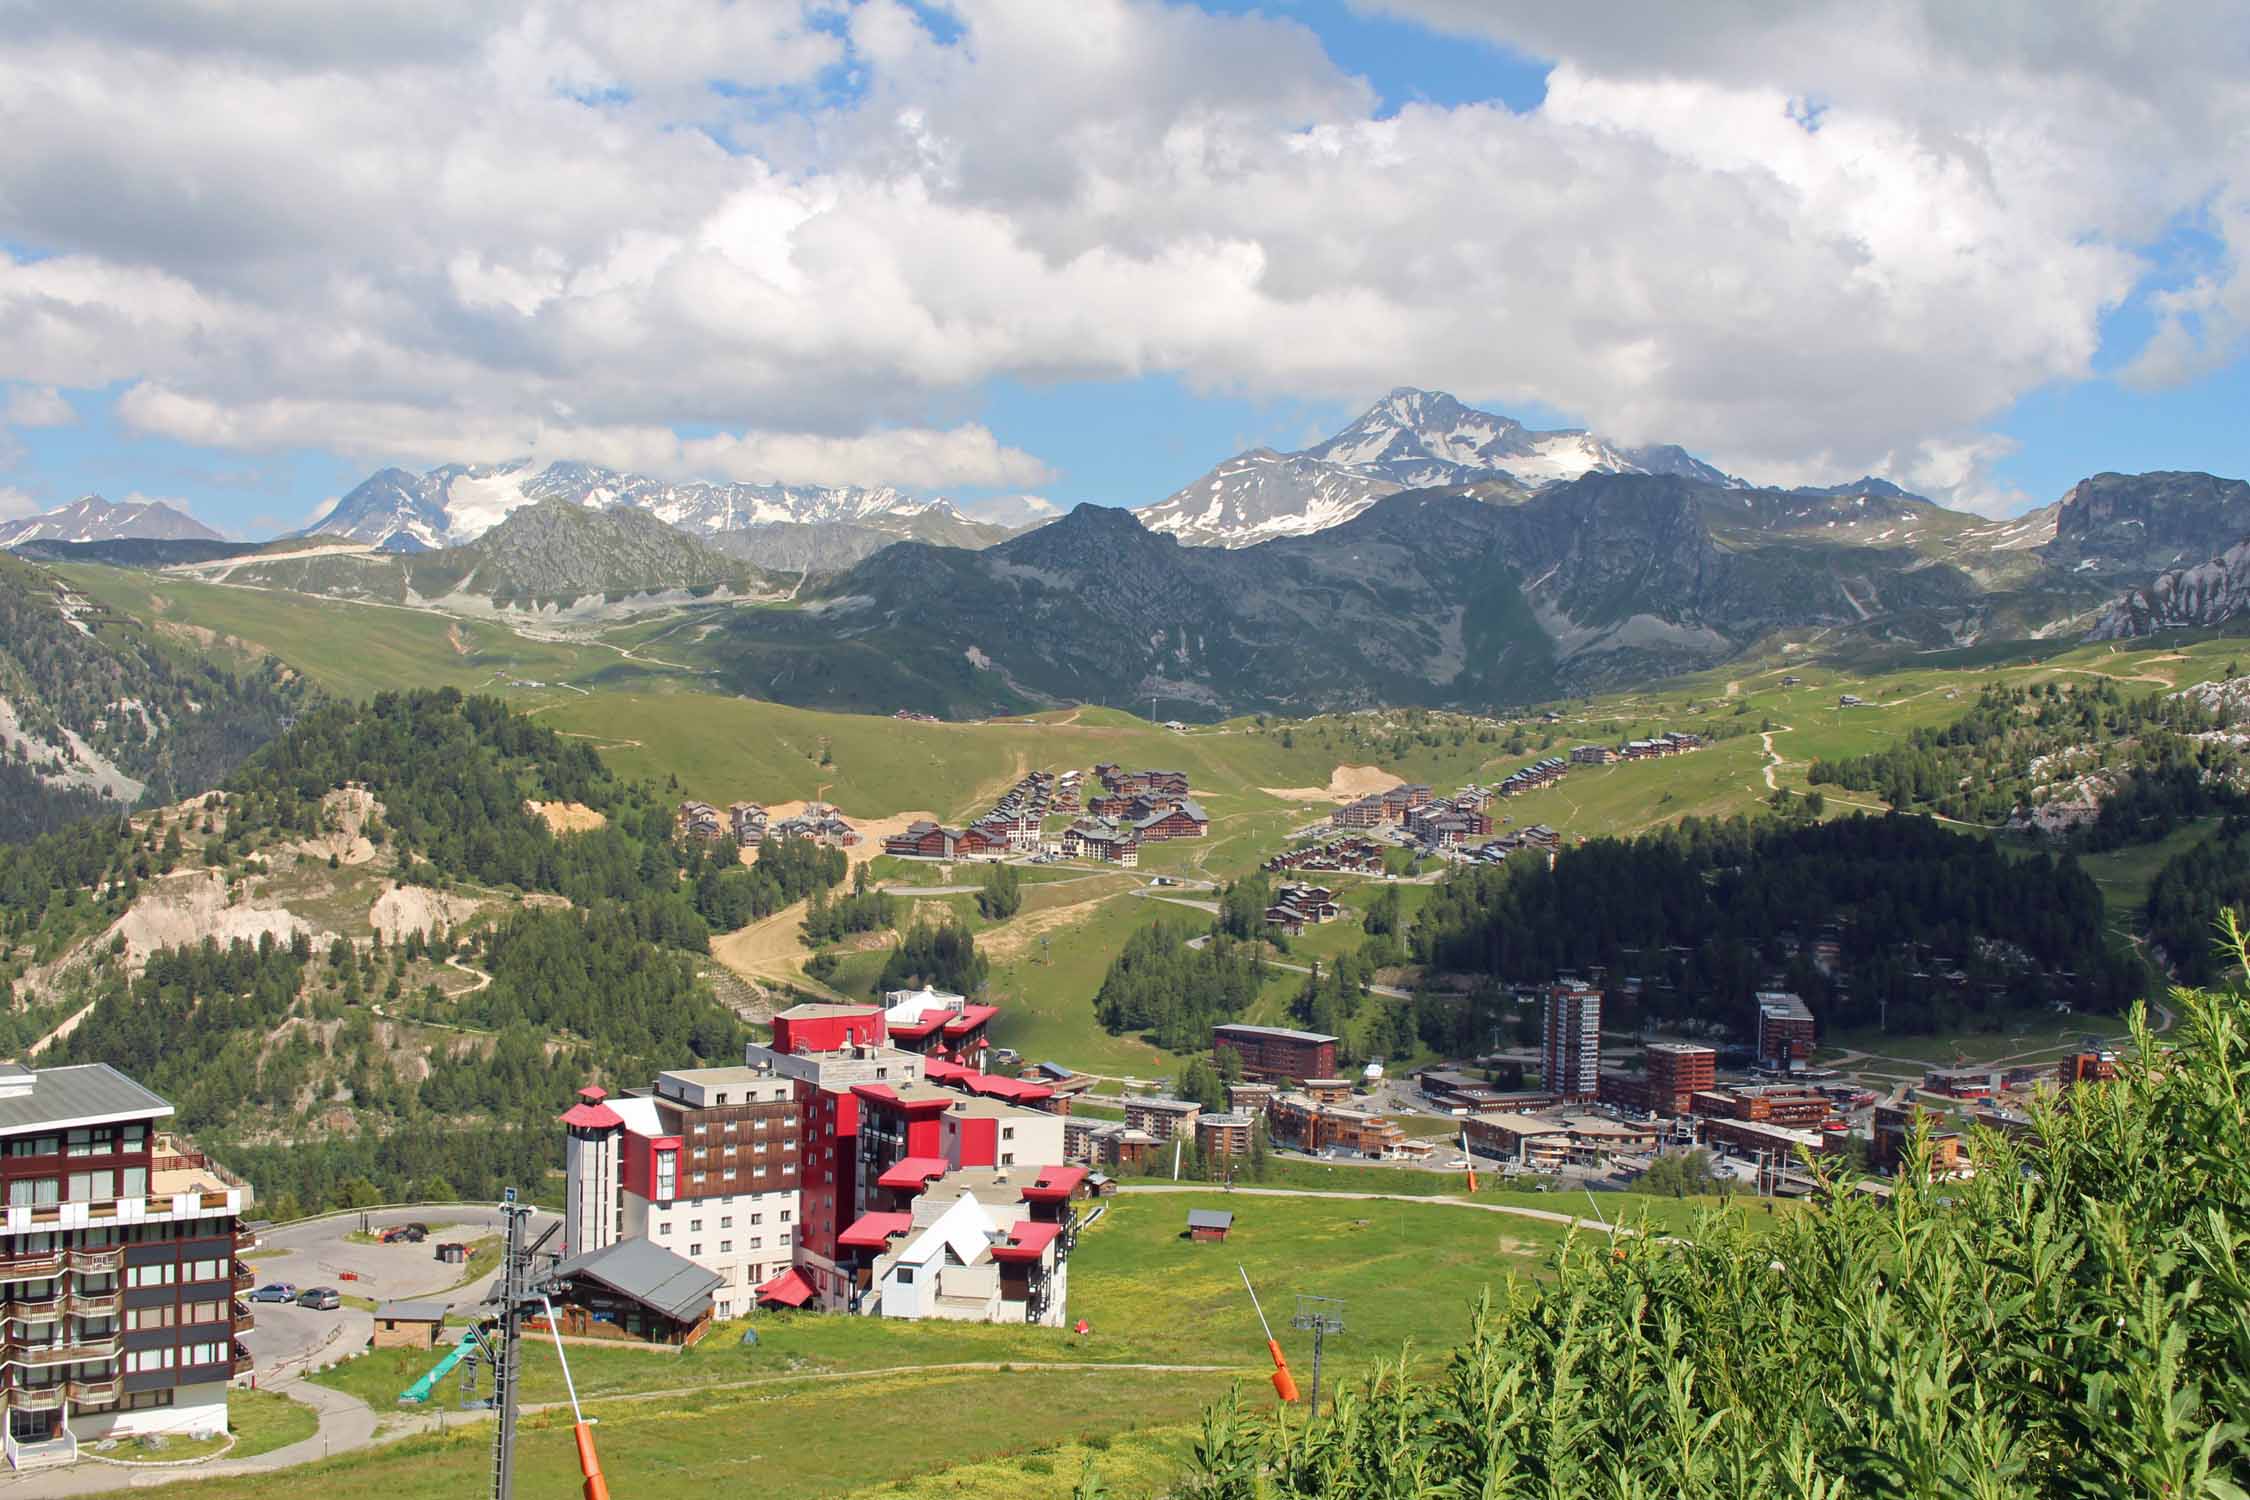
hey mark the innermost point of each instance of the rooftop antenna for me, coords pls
(1320, 1316)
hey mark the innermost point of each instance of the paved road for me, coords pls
(316, 1252)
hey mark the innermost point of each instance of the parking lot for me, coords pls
(320, 1252)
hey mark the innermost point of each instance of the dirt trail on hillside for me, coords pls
(1345, 784)
(567, 817)
(770, 951)
(1015, 937)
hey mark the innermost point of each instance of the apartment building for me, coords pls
(1785, 1031)
(705, 1163)
(1275, 1053)
(1163, 1118)
(117, 1261)
(1676, 1070)
(1570, 1043)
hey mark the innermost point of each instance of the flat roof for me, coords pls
(87, 1094)
(412, 1312)
(1280, 1033)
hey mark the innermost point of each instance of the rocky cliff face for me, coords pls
(2210, 593)
(2127, 526)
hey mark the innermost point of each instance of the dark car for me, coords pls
(275, 1291)
(321, 1298)
(404, 1234)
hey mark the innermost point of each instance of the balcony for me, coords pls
(68, 1351)
(32, 1267)
(96, 1304)
(106, 1389)
(35, 1397)
(32, 1309)
(242, 1361)
(245, 1239)
(96, 1261)
(244, 1277)
(245, 1318)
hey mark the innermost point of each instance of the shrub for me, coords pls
(2073, 1321)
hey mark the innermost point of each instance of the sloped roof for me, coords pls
(649, 1274)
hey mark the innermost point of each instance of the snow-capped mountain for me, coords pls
(458, 503)
(90, 518)
(1411, 439)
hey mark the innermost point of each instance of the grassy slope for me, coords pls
(654, 721)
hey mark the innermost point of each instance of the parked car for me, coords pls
(404, 1234)
(321, 1298)
(275, 1291)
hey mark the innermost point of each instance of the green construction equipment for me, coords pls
(420, 1390)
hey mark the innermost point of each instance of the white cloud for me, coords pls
(38, 406)
(1012, 510)
(473, 232)
(15, 504)
(924, 458)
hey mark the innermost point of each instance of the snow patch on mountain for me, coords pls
(1411, 439)
(458, 503)
(90, 518)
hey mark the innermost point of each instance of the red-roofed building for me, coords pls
(828, 1028)
(705, 1163)
(938, 1022)
(977, 1248)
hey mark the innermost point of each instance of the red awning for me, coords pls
(874, 1231)
(971, 1017)
(790, 1289)
(1026, 1241)
(595, 1116)
(912, 1174)
(1055, 1184)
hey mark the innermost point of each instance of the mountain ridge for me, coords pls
(90, 518)
(1410, 439)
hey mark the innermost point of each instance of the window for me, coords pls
(35, 1145)
(157, 1275)
(135, 1138)
(695, 1226)
(726, 1221)
(757, 1218)
(134, 1183)
(757, 1242)
(81, 1143)
(784, 1241)
(201, 1354)
(904, 1275)
(1007, 1132)
(722, 1100)
(1007, 1158)
(694, 1251)
(29, 1191)
(726, 1247)
(667, 1175)
(664, 1226)
(140, 1361)
(93, 1187)
(785, 1215)
(149, 1317)
(143, 1400)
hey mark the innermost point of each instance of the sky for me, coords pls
(251, 251)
